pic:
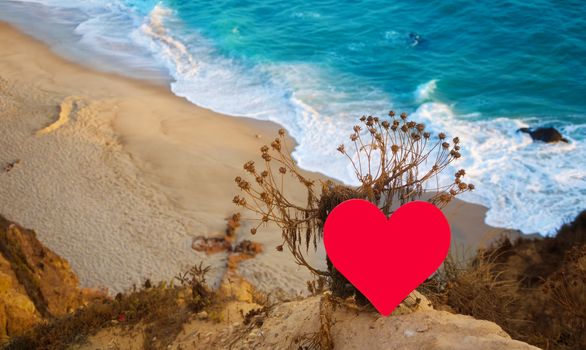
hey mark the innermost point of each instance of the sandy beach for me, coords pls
(119, 175)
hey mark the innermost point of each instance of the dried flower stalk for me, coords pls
(395, 161)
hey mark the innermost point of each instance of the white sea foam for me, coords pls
(93, 32)
(425, 91)
(531, 186)
(292, 94)
(310, 14)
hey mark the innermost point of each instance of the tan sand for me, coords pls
(119, 175)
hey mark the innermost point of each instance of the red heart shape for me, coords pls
(386, 259)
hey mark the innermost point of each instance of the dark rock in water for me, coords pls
(415, 39)
(548, 135)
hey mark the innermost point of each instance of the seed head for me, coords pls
(249, 166)
(441, 136)
(276, 144)
(245, 185)
(265, 197)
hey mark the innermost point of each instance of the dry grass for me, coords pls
(162, 309)
(475, 288)
(322, 338)
(534, 289)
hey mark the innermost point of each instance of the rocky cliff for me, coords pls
(35, 283)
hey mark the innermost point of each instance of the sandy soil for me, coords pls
(118, 175)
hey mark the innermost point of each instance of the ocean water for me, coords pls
(478, 70)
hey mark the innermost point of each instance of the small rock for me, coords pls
(548, 135)
(409, 333)
(203, 315)
(8, 167)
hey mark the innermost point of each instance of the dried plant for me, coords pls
(195, 279)
(567, 287)
(395, 161)
(477, 288)
(321, 339)
(317, 285)
(535, 289)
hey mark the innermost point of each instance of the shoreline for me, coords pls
(132, 173)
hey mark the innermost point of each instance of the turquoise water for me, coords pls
(479, 70)
(502, 58)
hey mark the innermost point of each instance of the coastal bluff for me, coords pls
(37, 287)
(35, 283)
